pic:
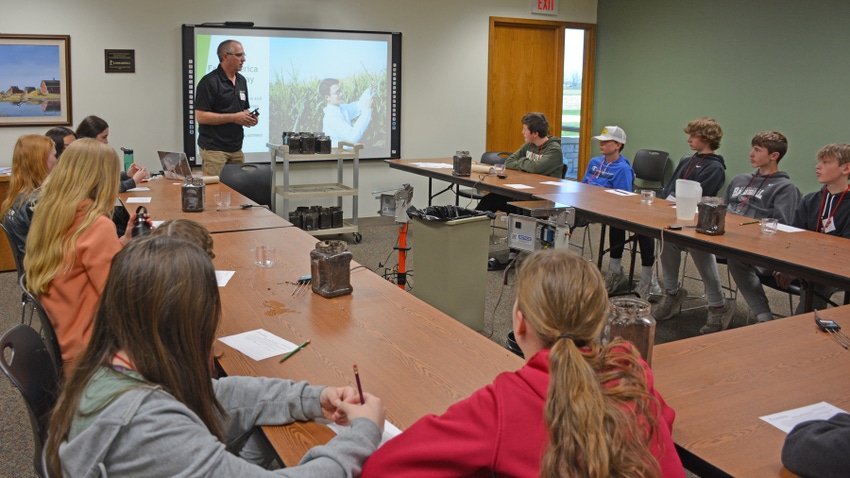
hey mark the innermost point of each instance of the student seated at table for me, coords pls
(32, 160)
(72, 241)
(98, 129)
(577, 408)
(767, 192)
(188, 230)
(540, 154)
(142, 401)
(613, 171)
(818, 448)
(62, 137)
(823, 211)
(708, 169)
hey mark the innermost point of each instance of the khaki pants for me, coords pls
(214, 161)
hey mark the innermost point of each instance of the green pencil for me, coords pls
(290, 354)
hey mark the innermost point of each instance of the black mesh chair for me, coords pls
(13, 243)
(31, 312)
(653, 169)
(253, 181)
(489, 157)
(25, 359)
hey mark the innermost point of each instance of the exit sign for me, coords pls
(544, 7)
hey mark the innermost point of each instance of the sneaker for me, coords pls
(614, 280)
(669, 305)
(645, 291)
(718, 318)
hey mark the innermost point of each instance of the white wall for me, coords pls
(444, 76)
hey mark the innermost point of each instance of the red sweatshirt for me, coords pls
(498, 430)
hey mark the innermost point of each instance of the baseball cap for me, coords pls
(612, 133)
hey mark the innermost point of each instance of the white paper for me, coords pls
(620, 192)
(156, 224)
(259, 344)
(138, 188)
(223, 277)
(433, 165)
(519, 186)
(557, 183)
(390, 431)
(784, 228)
(138, 200)
(787, 420)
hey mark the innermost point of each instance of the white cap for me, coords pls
(612, 133)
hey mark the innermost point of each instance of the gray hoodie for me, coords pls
(147, 432)
(758, 196)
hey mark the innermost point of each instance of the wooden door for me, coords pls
(526, 73)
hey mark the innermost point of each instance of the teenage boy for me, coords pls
(824, 211)
(540, 154)
(612, 170)
(767, 192)
(708, 169)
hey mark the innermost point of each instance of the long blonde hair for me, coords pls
(29, 167)
(598, 406)
(89, 170)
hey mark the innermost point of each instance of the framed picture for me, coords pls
(35, 80)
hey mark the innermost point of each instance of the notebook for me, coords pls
(175, 165)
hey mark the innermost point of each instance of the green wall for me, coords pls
(753, 65)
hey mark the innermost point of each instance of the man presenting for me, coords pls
(221, 107)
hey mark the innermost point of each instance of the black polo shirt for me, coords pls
(216, 94)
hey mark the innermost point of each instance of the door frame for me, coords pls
(587, 84)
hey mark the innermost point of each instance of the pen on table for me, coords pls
(359, 388)
(290, 354)
(750, 222)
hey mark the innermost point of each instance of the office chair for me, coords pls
(25, 359)
(32, 309)
(653, 169)
(13, 244)
(488, 157)
(253, 181)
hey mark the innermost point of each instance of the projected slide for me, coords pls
(344, 84)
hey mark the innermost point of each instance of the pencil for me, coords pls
(359, 388)
(748, 223)
(290, 354)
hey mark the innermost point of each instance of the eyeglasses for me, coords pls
(336, 93)
(237, 55)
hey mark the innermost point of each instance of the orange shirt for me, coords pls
(71, 298)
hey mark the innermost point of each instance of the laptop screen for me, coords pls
(175, 165)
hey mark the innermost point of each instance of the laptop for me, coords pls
(175, 165)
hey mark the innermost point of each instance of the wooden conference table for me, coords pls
(414, 357)
(166, 203)
(720, 384)
(812, 256)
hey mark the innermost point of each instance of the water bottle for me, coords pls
(128, 158)
(140, 225)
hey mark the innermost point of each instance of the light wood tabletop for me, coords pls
(821, 258)
(166, 204)
(720, 384)
(415, 358)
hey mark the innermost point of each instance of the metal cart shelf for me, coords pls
(339, 190)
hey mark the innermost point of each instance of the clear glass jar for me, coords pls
(630, 318)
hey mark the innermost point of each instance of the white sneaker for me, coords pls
(669, 305)
(718, 319)
(645, 291)
(614, 280)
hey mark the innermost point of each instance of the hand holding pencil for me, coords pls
(342, 406)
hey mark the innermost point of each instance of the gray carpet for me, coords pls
(376, 252)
